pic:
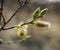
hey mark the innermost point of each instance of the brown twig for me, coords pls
(1, 11)
(1, 4)
(2, 28)
(7, 28)
(3, 18)
(20, 2)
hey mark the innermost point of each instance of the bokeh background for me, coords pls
(40, 40)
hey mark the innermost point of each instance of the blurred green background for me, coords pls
(40, 40)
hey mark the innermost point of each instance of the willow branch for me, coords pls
(15, 41)
(25, 3)
(12, 16)
(16, 12)
(7, 28)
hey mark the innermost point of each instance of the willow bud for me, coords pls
(22, 31)
(42, 24)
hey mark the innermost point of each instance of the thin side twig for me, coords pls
(20, 2)
(3, 18)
